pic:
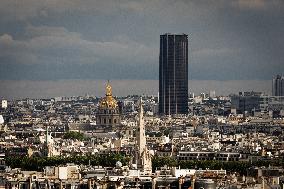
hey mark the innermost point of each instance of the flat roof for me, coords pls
(174, 34)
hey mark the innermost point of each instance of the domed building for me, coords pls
(108, 115)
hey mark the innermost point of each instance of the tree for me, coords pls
(74, 135)
(38, 163)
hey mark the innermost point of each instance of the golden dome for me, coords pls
(108, 102)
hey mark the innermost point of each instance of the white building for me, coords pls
(4, 104)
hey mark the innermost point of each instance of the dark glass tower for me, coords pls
(173, 74)
(278, 86)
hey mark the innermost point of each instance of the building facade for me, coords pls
(4, 104)
(173, 74)
(246, 102)
(108, 115)
(278, 86)
(253, 102)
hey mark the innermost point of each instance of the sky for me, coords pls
(60, 42)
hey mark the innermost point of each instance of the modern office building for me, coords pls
(278, 86)
(246, 102)
(255, 102)
(173, 74)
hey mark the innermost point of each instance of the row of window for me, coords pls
(109, 121)
(109, 111)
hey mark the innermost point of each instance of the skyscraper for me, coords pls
(278, 86)
(173, 74)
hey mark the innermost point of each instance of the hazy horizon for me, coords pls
(13, 89)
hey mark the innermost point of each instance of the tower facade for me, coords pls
(278, 86)
(173, 74)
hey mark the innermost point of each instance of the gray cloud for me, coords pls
(71, 39)
(57, 43)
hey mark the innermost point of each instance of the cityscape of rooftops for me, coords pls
(154, 94)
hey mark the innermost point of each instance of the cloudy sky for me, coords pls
(53, 41)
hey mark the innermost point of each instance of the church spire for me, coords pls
(141, 129)
(108, 89)
(140, 110)
(143, 156)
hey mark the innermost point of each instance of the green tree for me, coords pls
(38, 163)
(74, 135)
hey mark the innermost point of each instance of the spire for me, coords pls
(140, 109)
(143, 157)
(141, 140)
(108, 89)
